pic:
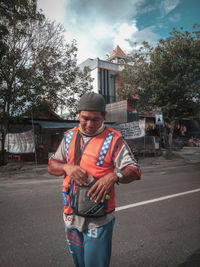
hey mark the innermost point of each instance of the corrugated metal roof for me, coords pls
(59, 124)
(55, 124)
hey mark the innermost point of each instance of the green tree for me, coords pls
(168, 75)
(10, 12)
(134, 70)
(36, 62)
(82, 84)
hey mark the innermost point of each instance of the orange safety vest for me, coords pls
(96, 159)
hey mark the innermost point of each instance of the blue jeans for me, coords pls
(91, 247)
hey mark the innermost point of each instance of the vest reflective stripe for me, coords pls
(98, 149)
(67, 142)
(71, 192)
(64, 194)
(104, 149)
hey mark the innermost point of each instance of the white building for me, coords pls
(106, 74)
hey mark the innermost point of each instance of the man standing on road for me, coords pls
(96, 157)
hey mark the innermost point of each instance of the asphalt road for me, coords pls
(165, 232)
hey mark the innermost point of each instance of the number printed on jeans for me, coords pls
(92, 233)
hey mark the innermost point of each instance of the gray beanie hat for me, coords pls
(92, 102)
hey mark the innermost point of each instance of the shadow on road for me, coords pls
(192, 261)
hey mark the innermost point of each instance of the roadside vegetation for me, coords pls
(38, 65)
(166, 76)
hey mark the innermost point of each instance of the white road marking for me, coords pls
(156, 200)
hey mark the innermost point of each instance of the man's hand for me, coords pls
(75, 172)
(78, 174)
(102, 187)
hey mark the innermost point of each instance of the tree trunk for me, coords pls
(170, 140)
(3, 152)
(4, 130)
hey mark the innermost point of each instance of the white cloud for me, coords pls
(176, 17)
(146, 34)
(97, 37)
(168, 5)
(99, 26)
(102, 39)
(123, 34)
(101, 31)
(52, 10)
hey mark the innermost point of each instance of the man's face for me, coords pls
(90, 121)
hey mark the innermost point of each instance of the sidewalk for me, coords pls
(24, 170)
(31, 170)
(182, 157)
(190, 154)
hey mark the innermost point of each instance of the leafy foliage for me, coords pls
(36, 62)
(168, 75)
(83, 81)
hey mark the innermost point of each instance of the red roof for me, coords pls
(117, 51)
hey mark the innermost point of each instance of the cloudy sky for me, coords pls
(100, 25)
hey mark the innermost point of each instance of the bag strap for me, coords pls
(78, 154)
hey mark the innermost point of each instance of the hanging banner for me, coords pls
(133, 130)
(19, 143)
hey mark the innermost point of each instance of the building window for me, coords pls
(107, 85)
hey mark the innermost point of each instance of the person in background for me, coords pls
(104, 157)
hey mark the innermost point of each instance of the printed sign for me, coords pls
(133, 130)
(20, 142)
(159, 119)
